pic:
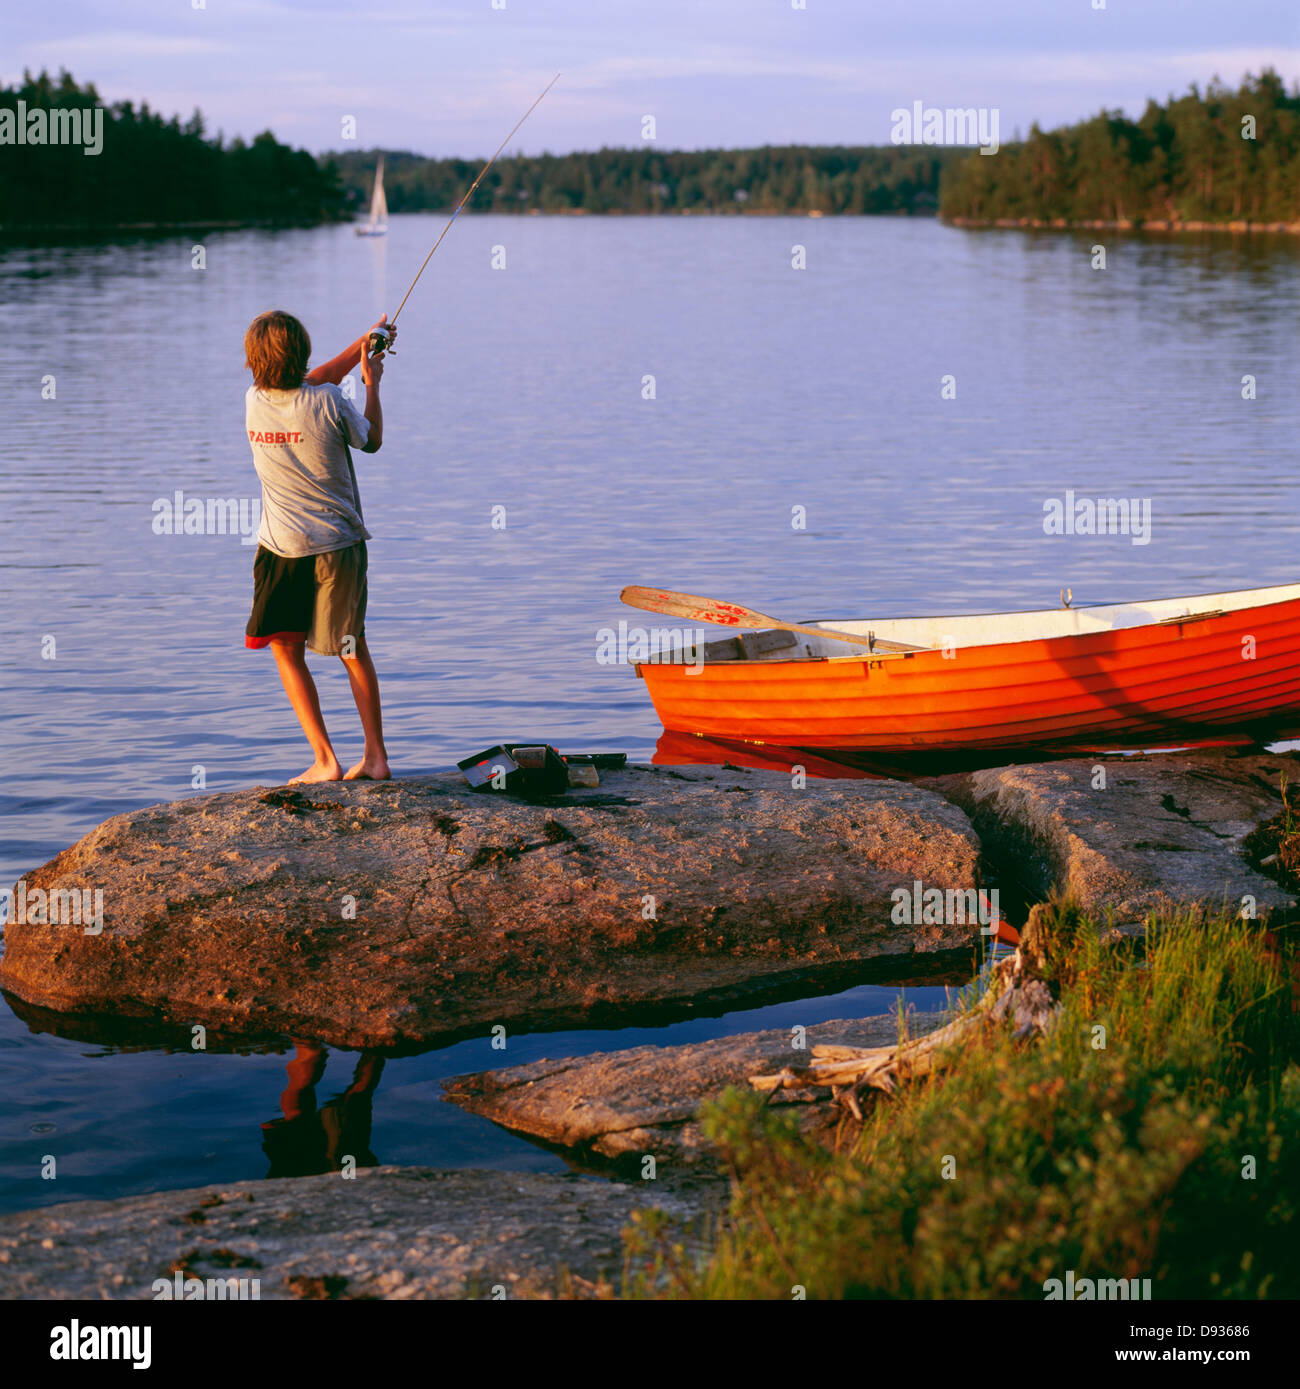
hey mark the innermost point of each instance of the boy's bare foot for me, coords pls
(319, 771)
(370, 769)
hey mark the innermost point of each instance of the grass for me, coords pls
(1153, 1133)
(1274, 846)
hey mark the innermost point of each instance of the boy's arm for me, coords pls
(372, 368)
(338, 367)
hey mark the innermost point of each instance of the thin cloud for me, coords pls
(91, 46)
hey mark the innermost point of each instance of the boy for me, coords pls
(309, 573)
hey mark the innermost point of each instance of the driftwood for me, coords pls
(1017, 992)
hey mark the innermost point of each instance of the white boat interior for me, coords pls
(986, 629)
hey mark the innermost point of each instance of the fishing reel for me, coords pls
(378, 342)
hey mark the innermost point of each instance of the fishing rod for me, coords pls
(378, 338)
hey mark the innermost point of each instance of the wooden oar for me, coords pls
(691, 608)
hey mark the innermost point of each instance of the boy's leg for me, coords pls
(291, 661)
(365, 690)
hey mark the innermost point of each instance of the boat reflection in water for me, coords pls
(692, 749)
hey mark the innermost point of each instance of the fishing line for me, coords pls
(382, 337)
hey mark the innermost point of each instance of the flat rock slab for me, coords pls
(643, 1100)
(413, 912)
(1160, 831)
(390, 1232)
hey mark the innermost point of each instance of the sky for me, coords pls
(450, 77)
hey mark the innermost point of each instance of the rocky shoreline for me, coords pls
(625, 1105)
(407, 914)
(1129, 836)
(387, 1232)
(412, 913)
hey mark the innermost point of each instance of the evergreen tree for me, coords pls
(1185, 161)
(152, 170)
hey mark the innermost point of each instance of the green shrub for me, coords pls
(1117, 1154)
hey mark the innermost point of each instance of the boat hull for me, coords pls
(1225, 679)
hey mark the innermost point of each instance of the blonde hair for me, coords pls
(276, 350)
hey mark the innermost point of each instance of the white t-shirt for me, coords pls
(310, 501)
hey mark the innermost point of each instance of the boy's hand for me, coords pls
(372, 368)
(338, 367)
(383, 326)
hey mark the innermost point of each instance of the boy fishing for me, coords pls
(309, 573)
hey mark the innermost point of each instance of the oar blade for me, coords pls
(692, 608)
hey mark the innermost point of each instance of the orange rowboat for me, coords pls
(1218, 669)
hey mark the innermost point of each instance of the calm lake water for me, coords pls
(522, 388)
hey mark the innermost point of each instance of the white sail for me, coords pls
(379, 203)
(377, 224)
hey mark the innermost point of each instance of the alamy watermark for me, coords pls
(41, 125)
(181, 1287)
(667, 646)
(74, 1341)
(920, 124)
(59, 906)
(182, 515)
(936, 906)
(1096, 1290)
(1073, 515)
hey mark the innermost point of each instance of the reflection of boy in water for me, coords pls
(307, 1140)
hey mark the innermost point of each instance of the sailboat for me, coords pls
(378, 223)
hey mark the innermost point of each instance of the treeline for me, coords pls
(1219, 156)
(149, 168)
(1190, 160)
(788, 178)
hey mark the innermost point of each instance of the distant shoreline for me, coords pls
(76, 231)
(29, 231)
(1125, 224)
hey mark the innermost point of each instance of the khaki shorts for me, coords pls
(319, 599)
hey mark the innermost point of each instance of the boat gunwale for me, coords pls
(867, 655)
(1088, 607)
